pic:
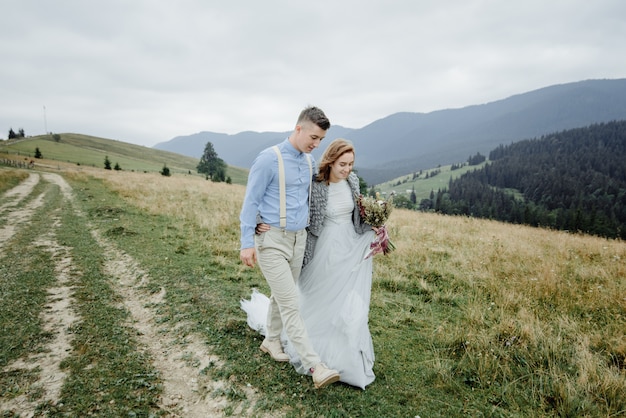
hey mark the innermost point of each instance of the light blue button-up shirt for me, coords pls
(263, 196)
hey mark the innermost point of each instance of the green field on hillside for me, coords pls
(90, 151)
(404, 185)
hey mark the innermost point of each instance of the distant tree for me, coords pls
(56, 137)
(107, 163)
(12, 134)
(476, 159)
(38, 153)
(432, 173)
(21, 133)
(117, 167)
(401, 201)
(457, 166)
(413, 196)
(165, 171)
(211, 165)
(426, 205)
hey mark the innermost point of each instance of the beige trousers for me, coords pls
(280, 255)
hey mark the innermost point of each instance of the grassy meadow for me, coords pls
(89, 151)
(469, 317)
(423, 185)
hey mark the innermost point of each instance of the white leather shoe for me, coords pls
(323, 376)
(274, 349)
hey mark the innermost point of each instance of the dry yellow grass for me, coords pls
(517, 263)
(11, 178)
(539, 308)
(557, 298)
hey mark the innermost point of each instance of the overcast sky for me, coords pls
(146, 71)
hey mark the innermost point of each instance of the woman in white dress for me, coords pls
(336, 280)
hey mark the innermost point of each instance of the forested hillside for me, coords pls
(406, 142)
(571, 180)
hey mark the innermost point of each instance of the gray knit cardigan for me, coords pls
(317, 208)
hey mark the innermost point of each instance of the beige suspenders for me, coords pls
(281, 184)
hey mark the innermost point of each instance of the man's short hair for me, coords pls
(315, 115)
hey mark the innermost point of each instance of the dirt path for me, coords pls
(58, 316)
(15, 218)
(187, 390)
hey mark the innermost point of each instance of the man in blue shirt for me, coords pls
(279, 251)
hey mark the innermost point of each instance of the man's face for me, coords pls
(308, 137)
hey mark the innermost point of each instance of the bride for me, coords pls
(336, 279)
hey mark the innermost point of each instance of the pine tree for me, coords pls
(211, 165)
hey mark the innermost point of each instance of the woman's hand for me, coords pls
(260, 228)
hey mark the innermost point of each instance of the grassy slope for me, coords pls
(90, 151)
(422, 185)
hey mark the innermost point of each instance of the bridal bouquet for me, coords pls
(375, 211)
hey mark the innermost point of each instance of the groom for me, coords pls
(280, 250)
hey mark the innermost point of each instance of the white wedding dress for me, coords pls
(335, 292)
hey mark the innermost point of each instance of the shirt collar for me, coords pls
(288, 147)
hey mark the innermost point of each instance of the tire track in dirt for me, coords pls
(15, 218)
(188, 391)
(15, 195)
(57, 316)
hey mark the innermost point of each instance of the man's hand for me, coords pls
(248, 256)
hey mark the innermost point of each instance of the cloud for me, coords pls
(146, 71)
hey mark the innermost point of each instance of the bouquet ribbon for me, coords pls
(381, 244)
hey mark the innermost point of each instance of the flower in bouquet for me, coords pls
(375, 211)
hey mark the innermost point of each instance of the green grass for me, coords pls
(468, 317)
(423, 186)
(433, 330)
(25, 274)
(205, 282)
(89, 151)
(107, 374)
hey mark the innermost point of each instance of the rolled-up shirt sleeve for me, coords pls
(259, 179)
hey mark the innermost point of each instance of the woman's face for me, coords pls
(340, 169)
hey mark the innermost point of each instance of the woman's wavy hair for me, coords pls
(334, 151)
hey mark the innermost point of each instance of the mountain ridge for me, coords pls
(578, 182)
(405, 142)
